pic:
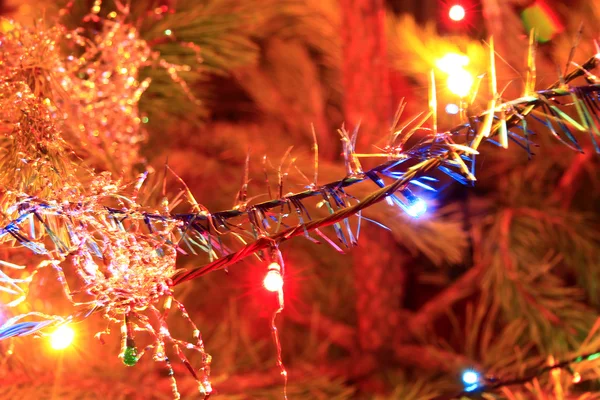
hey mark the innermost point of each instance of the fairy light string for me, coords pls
(30, 207)
(122, 250)
(275, 273)
(476, 385)
(56, 110)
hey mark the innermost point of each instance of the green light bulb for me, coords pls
(130, 356)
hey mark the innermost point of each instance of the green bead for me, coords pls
(130, 356)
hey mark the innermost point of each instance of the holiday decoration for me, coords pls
(273, 280)
(459, 81)
(474, 383)
(62, 337)
(456, 12)
(470, 379)
(112, 242)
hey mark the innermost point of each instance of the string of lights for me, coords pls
(445, 155)
(475, 384)
(444, 152)
(124, 251)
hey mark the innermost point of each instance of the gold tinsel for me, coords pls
(68, 96)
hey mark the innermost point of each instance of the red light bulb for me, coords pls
(273, 281)
(457, 13)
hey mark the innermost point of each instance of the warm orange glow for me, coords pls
(456, 13)
(452, 62)
(460, 82)
(62, 337)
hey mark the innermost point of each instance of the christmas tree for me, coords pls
(432, 233)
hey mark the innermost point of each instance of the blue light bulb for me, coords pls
(414, 206)
(471, 380)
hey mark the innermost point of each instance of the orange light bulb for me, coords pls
(62, 337)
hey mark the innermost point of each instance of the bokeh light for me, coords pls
(452, 62)
(452, 109)
(470, 377)
(414, 205)
(459, 82)
(417, 209)
(471, 380)
(457, 13)
(62, 337)
(273, 281)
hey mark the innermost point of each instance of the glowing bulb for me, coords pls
(456, 13)
(452, 109)
(273, 281)
(414, 206)
(61, 338)
(576, 377)
(471, 380)
(459, 82)
(417, 209)
(452, 62)
(470, 377)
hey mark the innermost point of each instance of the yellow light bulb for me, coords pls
(459, 82)
(452, 62)
(456, 13)
(62, 337)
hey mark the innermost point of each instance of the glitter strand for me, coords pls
(123, 250)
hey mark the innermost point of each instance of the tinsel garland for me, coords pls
(123, 251)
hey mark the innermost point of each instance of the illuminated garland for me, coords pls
(475, 384)
(124, 252)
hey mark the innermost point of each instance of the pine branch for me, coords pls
(567, 185)
(461, 288)
(329, 330)
(430, 358)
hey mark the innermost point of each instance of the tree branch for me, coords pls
(431, 358)
(570, 179)
(438, 305)
(337, 333)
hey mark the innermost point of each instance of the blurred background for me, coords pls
(495, 277)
